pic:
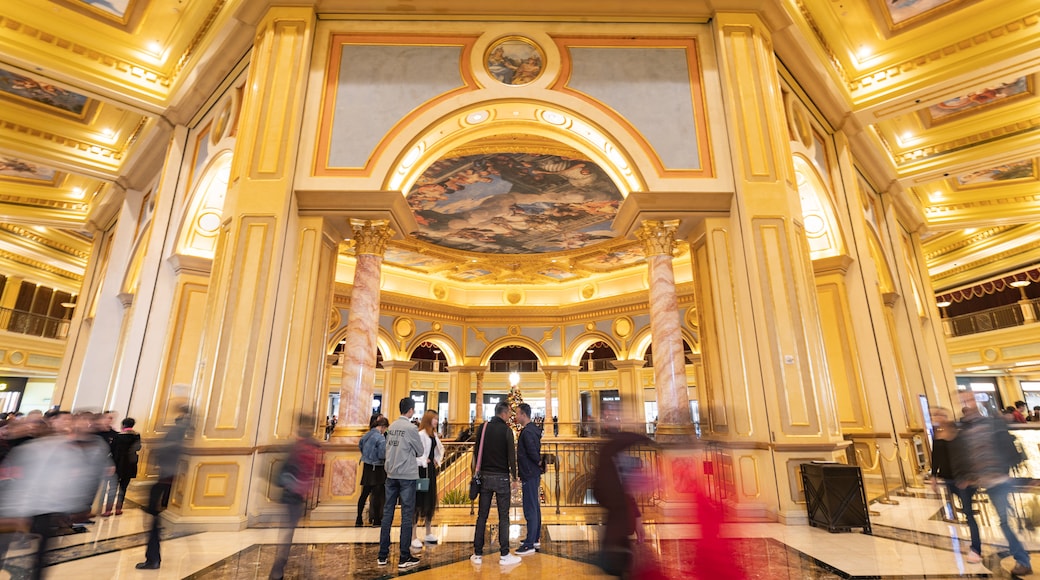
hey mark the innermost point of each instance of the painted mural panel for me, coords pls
(514, 203)
(42, 94)
(13, 169)
(984, 98)
(1002, 174)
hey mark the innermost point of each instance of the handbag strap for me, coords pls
(480, 451)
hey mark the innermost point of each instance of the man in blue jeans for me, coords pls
(497, 454)
(403, 447)
(528, 462)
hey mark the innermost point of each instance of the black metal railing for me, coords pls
(430, 366)
(22, 322)
(987, 320)
(510, 366)
(567, 482)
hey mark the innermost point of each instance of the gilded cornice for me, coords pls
(1015, 129)
(196, 40)
(964, 242)
(980, 264)
(629, 304)
(935, 57)
(77, 146)
(40, 266)
(133, 72)
(832, 57)
(43, 240)
(40, 202)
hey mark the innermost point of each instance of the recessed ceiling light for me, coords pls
(107, 132)
(77, 191)
(155, 47)
(908, 136)
(864, 53)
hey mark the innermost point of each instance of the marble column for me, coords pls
(358, 384)
(547, 426)
(480, 399)
(673, 405)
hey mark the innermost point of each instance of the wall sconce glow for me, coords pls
(514, 379)
(1020, 283)
(943, 304)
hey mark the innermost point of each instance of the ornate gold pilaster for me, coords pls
(756, 293)
(630, 388)
(567, 396)
(673, 405)
(245, 350)
(359, 370)
(547, 425)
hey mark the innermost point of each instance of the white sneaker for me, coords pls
(431, 539)
(537, 544)
(476, 559)
(417, 544)
(973, 558)
(509, 559)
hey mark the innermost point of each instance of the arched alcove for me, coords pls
(820, 222)
(201, 225)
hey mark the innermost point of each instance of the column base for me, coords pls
(347, 434)
(683, 433)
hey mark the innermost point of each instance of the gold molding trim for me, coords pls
(934, 57)
(35, 237)
(1013, 130)
(125, 68)
(81, 147)
(964, 243)
(40, 266)
(50, 203)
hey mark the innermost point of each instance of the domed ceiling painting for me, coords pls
(514, 203)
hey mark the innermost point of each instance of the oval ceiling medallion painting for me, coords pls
(514, 61)
(514, 203)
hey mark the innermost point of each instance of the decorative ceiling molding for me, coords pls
(965, 242)
(40, 266)
(76, 206)
(45, 241)
(1016, 129)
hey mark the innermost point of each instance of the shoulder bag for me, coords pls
(474, 484)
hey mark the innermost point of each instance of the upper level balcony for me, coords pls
(1019, 314)
(31, 344)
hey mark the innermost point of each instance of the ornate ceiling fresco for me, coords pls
(514, 203)
(944, 89)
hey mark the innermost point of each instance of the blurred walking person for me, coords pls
(296, 478)
(943, 450)
(984, 454)
(373, 472)
(50, 479)
(110, 486)
(166, 457)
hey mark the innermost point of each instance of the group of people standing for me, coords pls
(976, 455)
(412, 457)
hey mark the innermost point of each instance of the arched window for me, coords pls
(821, 226)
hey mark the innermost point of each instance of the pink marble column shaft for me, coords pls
(673, 404)
(480, 399)
(547, 426)
(358, 386)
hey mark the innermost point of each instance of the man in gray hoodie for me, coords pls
(403, 446)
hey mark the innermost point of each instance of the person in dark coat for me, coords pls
(166, 456)
(124, 454)
(529, 466)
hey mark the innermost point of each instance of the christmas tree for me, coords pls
(514, 399)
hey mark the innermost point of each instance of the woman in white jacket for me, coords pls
(429, 465)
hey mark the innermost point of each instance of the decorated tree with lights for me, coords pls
(514, 399)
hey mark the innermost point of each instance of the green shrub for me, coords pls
(455, 497)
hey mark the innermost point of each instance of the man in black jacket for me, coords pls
(497, 463)
(528, 460)
(167, 457)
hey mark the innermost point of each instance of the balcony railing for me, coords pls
(994, 318)
(22, 322)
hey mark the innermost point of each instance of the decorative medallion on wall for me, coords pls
(514, 60)
(404, 327)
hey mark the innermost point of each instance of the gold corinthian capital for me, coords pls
(658, 237)
(370, 236)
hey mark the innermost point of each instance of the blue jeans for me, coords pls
(497, 484)
(532, 510)
(966, 495)
(998, 496)
(405, 490)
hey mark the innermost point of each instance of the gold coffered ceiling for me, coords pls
(945, 91)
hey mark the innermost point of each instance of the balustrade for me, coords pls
(22, 322)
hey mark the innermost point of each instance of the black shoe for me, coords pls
(409, 562)
(147, 566)
(358, 523)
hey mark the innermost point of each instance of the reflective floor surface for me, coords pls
(909, 541)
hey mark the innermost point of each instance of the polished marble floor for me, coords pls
(909, 541)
